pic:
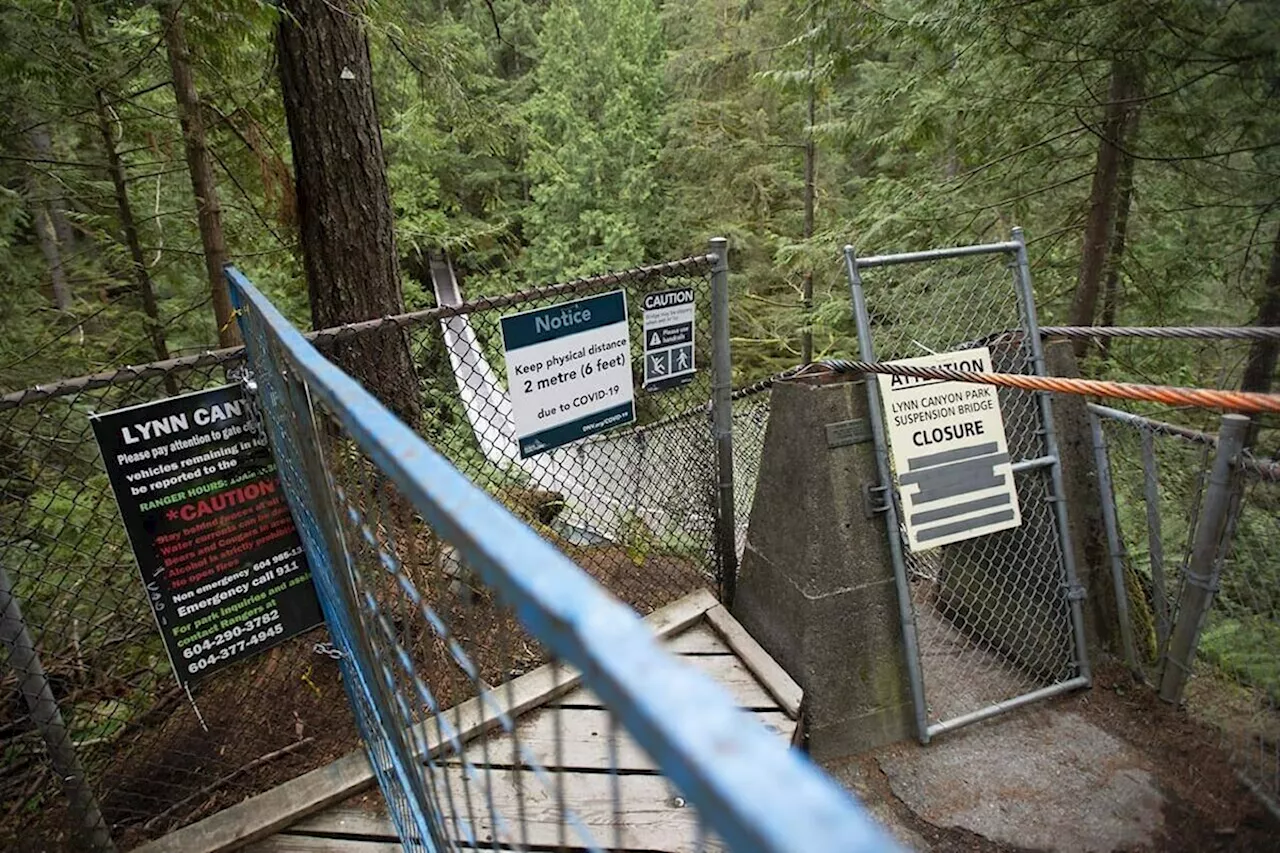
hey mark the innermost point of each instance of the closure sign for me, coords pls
(568, 371)
(668, 338)
(220, 558)
(955, 478)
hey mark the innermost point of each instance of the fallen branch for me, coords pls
(230, 777)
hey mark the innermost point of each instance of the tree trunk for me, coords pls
(344, 204)
(1102, 198)
(810, 164)
(42, 220)
(200, 165)
(48, 239)
(42, 144)
(1260, 367)
(128, 226)
(1115, 254)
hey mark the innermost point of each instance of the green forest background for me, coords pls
(1135, 141)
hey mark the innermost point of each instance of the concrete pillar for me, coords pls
(815, 586)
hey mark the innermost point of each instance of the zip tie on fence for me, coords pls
(1205, 398)
(1238, 333)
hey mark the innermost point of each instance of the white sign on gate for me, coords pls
(568, 371)
(954, 474)
(668, 338)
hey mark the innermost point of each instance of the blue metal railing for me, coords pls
(745, 785)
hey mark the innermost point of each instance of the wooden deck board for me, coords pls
(323, 816)
(257, 817)
(583, 742)
(731, 672)
(774, 678)
(653, 817)
(698, 640)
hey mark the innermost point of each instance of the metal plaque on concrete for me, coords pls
(668, 338)
(953, 471)
(568, 371)
(845, 433)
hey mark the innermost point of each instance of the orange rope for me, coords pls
(1207, 398)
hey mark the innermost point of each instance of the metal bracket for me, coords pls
(1076, 592)
(1208, 583)
(869, 508)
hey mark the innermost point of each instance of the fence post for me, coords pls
(906, 610)
(35, 689)
(1200, 580)
(1022, 277)
(1115, 550)
(1155, 536)
(722, 420)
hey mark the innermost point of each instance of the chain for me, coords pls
(328, 650)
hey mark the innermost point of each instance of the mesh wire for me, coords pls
(147, 757)
(425, 638)
(1159, 489)
(620, 504)
(992, 617)
(629, 516)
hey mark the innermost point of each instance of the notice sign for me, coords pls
(668, 338)
(220, 558)
(568, 371)
(947, 438)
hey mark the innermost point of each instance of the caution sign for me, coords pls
(668, 338)
(568, 371)
(955, 478)
(220, 559)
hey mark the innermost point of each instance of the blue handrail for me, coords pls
(746, 785)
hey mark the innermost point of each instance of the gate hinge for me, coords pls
(869, 507)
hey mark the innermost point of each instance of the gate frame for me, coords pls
(1016, 251)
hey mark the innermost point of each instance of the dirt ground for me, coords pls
(1205, 809)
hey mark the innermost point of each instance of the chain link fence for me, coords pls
(390, 529)
(992, 616)
(636, 508)
(1155, 479)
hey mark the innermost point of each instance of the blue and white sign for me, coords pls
(668, 338)
(568, 371)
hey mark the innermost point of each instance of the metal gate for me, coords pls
(994, 622)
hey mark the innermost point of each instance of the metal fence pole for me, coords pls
(35, 689)
(1155, 536)
(1107, 495)
(906, 612)
(722, 420)
(1200, 580)
(1022, 276)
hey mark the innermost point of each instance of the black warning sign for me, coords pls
(213, 537)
